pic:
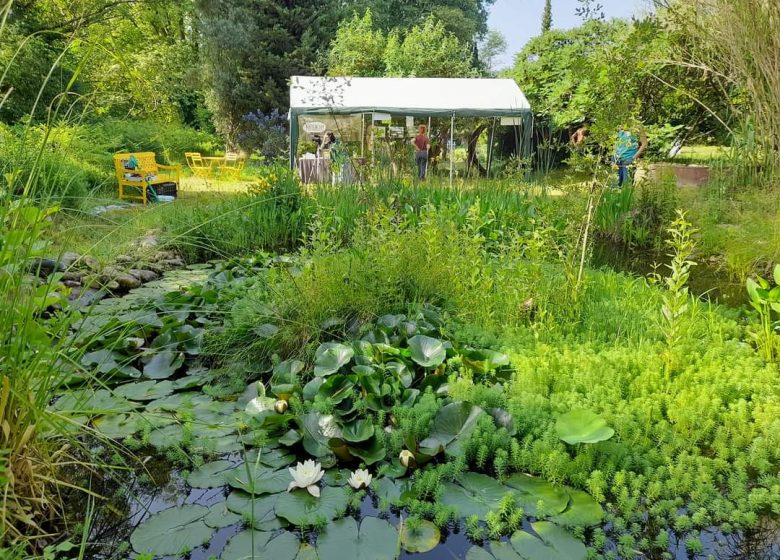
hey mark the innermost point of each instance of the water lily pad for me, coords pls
(257, 511)
(583, 511)
(425, 537)
(317, 430)
(257, 479)
(357, 431)
(374, 539)
(533, 492)
(337, 477)
(210, 475)
(163, 364)
(145, 390)
(273, 458)
(220, 516)
(307, 552)
(387, 489)
(167, 436)
(86, 401)
(179, 402)
(331, 357)
(582, 426)
(118, 426)
(553, 543)
(453, 424)
(252, 545)
(426, 351)
(290, 438)
(195, 378)
(301, 508)
(475, 494)
(171, 532)
(479, 553)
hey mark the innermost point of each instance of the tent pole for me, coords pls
(490, 147)
(452, 145)
(362, 134)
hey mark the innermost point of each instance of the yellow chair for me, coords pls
(138, 171)
(197, 165)
(232, 166)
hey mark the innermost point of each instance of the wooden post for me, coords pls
(490, 146)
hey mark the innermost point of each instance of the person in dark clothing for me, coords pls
(421, 145)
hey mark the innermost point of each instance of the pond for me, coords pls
(169, 408)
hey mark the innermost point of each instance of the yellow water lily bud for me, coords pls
(281, 406)
(407, 458)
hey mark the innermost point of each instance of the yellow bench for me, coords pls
(140, 170)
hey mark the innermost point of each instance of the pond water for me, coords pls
(160, 485)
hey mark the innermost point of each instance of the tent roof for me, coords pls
(407, 96)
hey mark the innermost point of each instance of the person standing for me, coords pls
(421, 145)
(630, 145)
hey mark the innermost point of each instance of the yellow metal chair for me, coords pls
(197, 165)
(137, 171)
(232, 166)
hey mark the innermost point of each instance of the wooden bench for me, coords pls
(137, 171)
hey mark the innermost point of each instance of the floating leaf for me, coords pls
(357, 431)
(317, 431)
(583, 511)
(301, 508)
(484, 361)
(172, 532)
(479, 553)
(145, 390)
(553, 543)
(306, 552)
(531, 491)
(163, 364)
(210, 475)
(582, 426)
(453, 422)
(426, 351)
(387, 489)
(476, 494)
(257, 479)
(273, 458)
(425, 536)
(220, 516)
(375, 539)
(118, 426)
(331, 357)
(253, 545)
(259, 511)
(311, 389)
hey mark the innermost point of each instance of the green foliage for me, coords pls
(765, 299)
(358, 48)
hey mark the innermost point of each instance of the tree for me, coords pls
(252, 47)
(493, 45)
(427, 50)
(547, 16)
(358, 49)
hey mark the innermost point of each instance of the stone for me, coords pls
(144, 275)
(112, 286)
(71, 284)
(68, 259)
(45, 267)
(174, 263)
(156, 268)
(124, 259)
(127, 281)
(90, 262)
(84, 297)
(148, 242)
(164, 255)
(72, 276)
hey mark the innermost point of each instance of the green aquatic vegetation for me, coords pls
(766, 301)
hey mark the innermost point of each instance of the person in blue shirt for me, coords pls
(630, 145)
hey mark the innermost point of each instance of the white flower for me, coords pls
(360, 479)
(306, 475)
(407, 458)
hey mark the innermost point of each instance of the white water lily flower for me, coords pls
(360, 479)
(306, 475)
(406, 457)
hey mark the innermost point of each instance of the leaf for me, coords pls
(337, 387)
(259, 511)
(476, 494)
(274, 458)
(163, 364)
(387, 489)
(582, 426)
(301, 508)
(253, 545)
(331, 357)
(220, 516)
(478, 553)
(357, 431)
(453, 422)
(503, 419)
(483, 361)
(306, 552)
(426, 351)
(375, 539)
(531, 491)
(145, 390)
(290, 438)
(257, 479)
(311, 389)
(118, 426)
(317, 431)
(776, 274)
(424, 538)
(172, 532)
(553, 543)
(210, 475)
(583, 511)
(266, 331)
(370, 451)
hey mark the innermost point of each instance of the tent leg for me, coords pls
(490, 146)
(452, 146)
(362, 134)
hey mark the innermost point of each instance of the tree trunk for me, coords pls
(472, 158)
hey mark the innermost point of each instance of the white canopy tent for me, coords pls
(413, 97)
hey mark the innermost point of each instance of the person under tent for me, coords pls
(422, 145)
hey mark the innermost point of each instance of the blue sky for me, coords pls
(519, 20)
